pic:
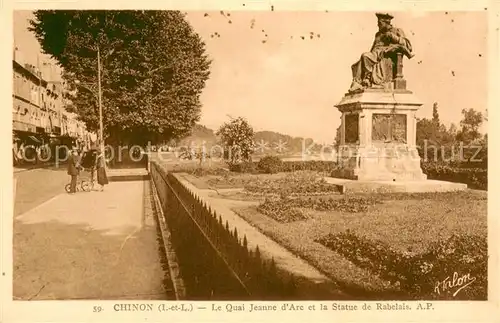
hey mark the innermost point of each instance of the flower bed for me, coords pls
(292, 209)
(296, 183)
(271, 164)
(423, 276)
(288, 209)
(351, 205)
(240, 180)
(214, 171)
(411, 224)
(227, 181)
(281, 211)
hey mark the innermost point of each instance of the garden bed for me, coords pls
(346, 236)
(411, 224)
(416, 274)
(300, 183)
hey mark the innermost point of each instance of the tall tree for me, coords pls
(435, 115)
(154, 68)
(469, 126)
(426, 130)
(449, 136)
(453, 130)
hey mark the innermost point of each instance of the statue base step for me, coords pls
(398, 163)
(347, 186)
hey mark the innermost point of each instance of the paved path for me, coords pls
(36, 186)
(95, 245)
(21, 169)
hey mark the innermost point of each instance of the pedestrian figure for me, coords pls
(73, 169)
(102, 177)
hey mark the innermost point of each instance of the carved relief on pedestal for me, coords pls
(351, 128)
(389, 128)
(399, 128)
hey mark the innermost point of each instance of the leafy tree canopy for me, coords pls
(237, 137)
(435, 115)
(434, 132)
(470, 124)
(153, 69)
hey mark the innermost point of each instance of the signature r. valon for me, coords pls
(456, 281)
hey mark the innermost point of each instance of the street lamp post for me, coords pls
(101, 130)
(98, 95)
(91, 88)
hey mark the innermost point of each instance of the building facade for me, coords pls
(40, 122)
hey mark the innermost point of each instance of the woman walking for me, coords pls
(102, 177)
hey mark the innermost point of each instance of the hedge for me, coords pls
(476, 178)
(269, 165)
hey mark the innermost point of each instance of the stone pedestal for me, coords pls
(378, 136)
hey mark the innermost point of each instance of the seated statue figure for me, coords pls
(376, 67)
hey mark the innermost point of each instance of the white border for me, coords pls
(65, 311)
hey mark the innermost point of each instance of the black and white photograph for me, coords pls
(250, 159)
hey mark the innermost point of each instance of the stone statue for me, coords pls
(376, 68)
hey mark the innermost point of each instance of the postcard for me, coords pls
(252, 161)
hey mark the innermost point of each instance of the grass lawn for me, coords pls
(408, 223)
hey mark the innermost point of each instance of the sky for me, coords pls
(290, 85)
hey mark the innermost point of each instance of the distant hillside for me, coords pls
(268, 142)
(199, 134)
(280, 143)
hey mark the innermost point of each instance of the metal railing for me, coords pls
(215, 263)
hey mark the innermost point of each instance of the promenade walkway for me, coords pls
(90, 245)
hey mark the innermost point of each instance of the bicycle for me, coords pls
(81, 185)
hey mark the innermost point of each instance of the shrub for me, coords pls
(243, 167)
(421, 276)
(309, 165)
(474, 177)
(270, 165)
